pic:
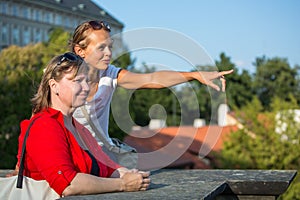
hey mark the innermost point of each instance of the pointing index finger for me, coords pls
(226, 72)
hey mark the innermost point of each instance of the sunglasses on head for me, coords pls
(97, 25)
(69, 56)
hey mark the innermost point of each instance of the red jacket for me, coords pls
(53, 154)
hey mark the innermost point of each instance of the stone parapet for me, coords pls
(207, 184)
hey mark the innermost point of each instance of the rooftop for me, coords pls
(178, 147)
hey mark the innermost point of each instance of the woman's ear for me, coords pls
(79, 51)
(53, 86)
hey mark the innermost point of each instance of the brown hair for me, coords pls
(56, 69)
(81, 33)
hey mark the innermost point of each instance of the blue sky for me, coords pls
(244, 30)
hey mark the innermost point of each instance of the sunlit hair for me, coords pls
(81, 33)
(56, 69)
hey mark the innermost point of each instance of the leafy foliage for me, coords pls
(275, 77)
(258, 145)
(21, 69)
(19, 73)
(124, 61)
(239, 88)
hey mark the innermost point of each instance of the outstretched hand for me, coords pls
(207, 78)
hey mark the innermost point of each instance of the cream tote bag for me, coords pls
(31, 190)
(24, 188)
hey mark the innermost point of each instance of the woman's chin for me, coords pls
(103, 65)
(79, 103)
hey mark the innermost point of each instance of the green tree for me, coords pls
(206, 98)
(259, 145)
(187, 102)
(56, 44)
(21, 69)
(275, 77)
(124, 61)
(120, 121)
(238, 85)
(137, 107)
(143, 99)
(238, 90)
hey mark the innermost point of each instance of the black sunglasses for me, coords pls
(97, 25)
(69, 56)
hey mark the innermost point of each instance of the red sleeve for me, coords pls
(48, 148)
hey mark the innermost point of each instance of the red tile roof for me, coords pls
(178, 147)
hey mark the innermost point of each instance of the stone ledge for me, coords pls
(208, 185)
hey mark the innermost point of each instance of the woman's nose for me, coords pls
(85, 86)
(107, 51)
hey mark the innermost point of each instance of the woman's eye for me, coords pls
(102, 47)
(78, 79)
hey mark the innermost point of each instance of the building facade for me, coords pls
(30, 21)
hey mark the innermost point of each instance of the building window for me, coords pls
(4, 8)
(4, 34)
(67, 22)
(26, 36)
(33, 13)
(15, 10)
(16, 35)
(58, 19)
(75, 22)
(51, 18)
(48, 17)
(37, 36)
(37, 15)
(26, 12)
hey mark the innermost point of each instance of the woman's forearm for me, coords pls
(163, 79)
(160, 79)
(129, 181)
(89, 184)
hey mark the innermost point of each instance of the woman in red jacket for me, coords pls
(56, 150)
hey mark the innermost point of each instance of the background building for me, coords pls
(29, 21)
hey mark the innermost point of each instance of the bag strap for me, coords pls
(91, 123)
(21, 169)
(95, 167)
